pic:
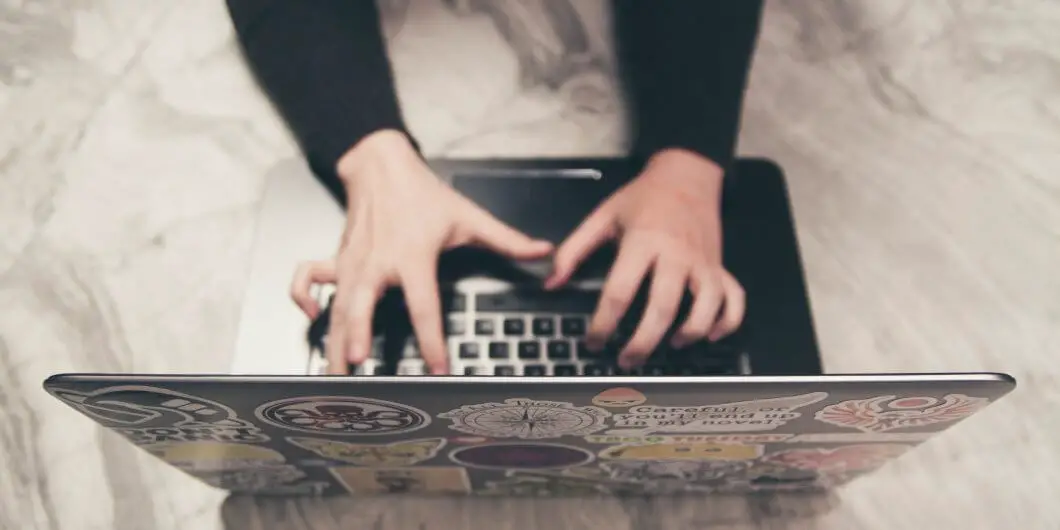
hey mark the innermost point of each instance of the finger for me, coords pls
(421, 297)
(335, 340)
(357, 320)
(734, 309)
(589, 235)
(667, 285)
(706, 287)
(488, 232)
(307, 275)
(621, 285)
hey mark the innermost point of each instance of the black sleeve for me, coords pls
(323, 64)
(685, 65)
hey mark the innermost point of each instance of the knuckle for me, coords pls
(340, 313)
(659, 313)
(617, 298)
(694, 330)
(738, 292)
(709, 276)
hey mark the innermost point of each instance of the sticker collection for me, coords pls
(617, 444)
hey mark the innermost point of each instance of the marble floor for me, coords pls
(921, 139)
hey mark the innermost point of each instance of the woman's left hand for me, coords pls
(668, 221)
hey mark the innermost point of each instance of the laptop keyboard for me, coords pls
(529, 333)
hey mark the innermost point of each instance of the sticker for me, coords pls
(691, 438)
(861, 437)
(527, 419)
(521, 456)
(885, 413)
(396, 454)
(692, 452)
(252, 480)
(403, 479)
(149, 415)
(343, 415)
(619, 397)
(215, 456)
(676, 473)
(742, 416)
(234, 466)
(843, 459)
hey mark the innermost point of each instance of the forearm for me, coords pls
(323, 64)
(685, 65)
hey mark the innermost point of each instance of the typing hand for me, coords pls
(400, 217)
(666, 220)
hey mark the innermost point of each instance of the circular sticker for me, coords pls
(215, 456)
(527, 419)
(343, 415)
(619, 397)
(521, 456)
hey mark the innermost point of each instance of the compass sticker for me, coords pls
(527, 419)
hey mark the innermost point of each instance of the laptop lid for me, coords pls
(527, 436)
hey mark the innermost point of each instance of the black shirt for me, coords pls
(323, 63)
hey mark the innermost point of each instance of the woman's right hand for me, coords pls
(400, 217)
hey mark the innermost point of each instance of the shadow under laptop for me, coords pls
(383, 512)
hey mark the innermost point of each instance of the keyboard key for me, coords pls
(595, 370)
(572, 326)
(410, 367)
(484, 327)
(655, 371)
(503, 370)
(534, 370)
(498, 350)
(459, 303)
(564, 370)
(469, 350)
(411, 350)
(537, 301)
(558, 349)
(529, 350)
(584, 353)
(514, 327)
(470, 370)
(457, 326)
(379, 370)
(544, 327)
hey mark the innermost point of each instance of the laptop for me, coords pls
(527, 410)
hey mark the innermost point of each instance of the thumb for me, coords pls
(489, 232)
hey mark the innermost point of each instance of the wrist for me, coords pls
(689, 167)
(378, 147)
